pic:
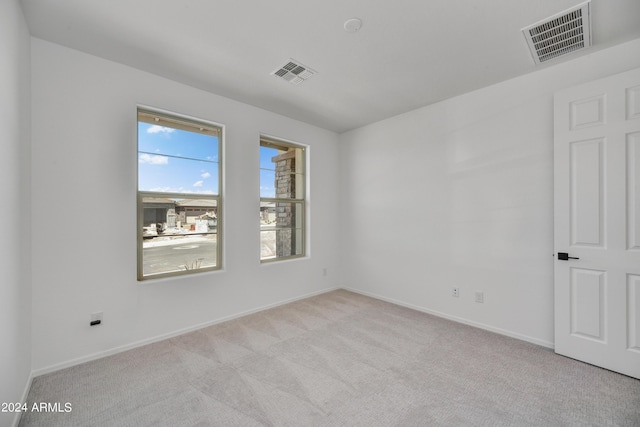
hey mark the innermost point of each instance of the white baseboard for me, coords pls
(489, 328)
(25, 394)
(141, 343)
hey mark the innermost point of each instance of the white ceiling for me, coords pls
(408, 53)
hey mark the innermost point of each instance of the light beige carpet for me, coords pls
(338, 359)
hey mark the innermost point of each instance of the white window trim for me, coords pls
(304, 200)
(218, 197)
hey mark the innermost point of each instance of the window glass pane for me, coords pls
(281, 229)
(178, 234)
(173, 160)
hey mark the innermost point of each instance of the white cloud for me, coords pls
(159, 129)
(205, 175)
(198, 183)
(167, 190)
(153, 160)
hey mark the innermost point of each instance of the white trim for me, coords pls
(25, 394)
(457, 319)
(141, 343)
(306, 148)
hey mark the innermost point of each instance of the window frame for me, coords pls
(182, 122)
(273, 142)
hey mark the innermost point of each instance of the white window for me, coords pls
(179, 200)
(282, 200)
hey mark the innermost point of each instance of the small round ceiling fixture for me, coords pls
(352, 25)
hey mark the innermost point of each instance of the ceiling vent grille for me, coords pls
(560, 34)
(294, 72)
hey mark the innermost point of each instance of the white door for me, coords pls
(597, 222)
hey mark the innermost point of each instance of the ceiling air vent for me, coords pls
(560, 34)
(294, 72)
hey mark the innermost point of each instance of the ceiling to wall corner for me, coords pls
(406, 54)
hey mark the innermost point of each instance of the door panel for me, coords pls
(588, 290)
(633, 102)
(633, 191)
(596, 220)
(587, 112)
(587, 227)
(633, 290)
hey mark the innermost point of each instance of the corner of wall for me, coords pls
(15, 246)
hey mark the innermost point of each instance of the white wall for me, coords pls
(460, 193)
(15, 262)
(84, 192)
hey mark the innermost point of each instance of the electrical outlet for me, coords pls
(455, 292)
(324, 272)
(479, 296)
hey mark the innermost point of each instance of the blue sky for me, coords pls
(267, 172)
(176, 161)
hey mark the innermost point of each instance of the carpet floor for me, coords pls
(337, 359)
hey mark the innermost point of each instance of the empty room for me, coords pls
(324, 213)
